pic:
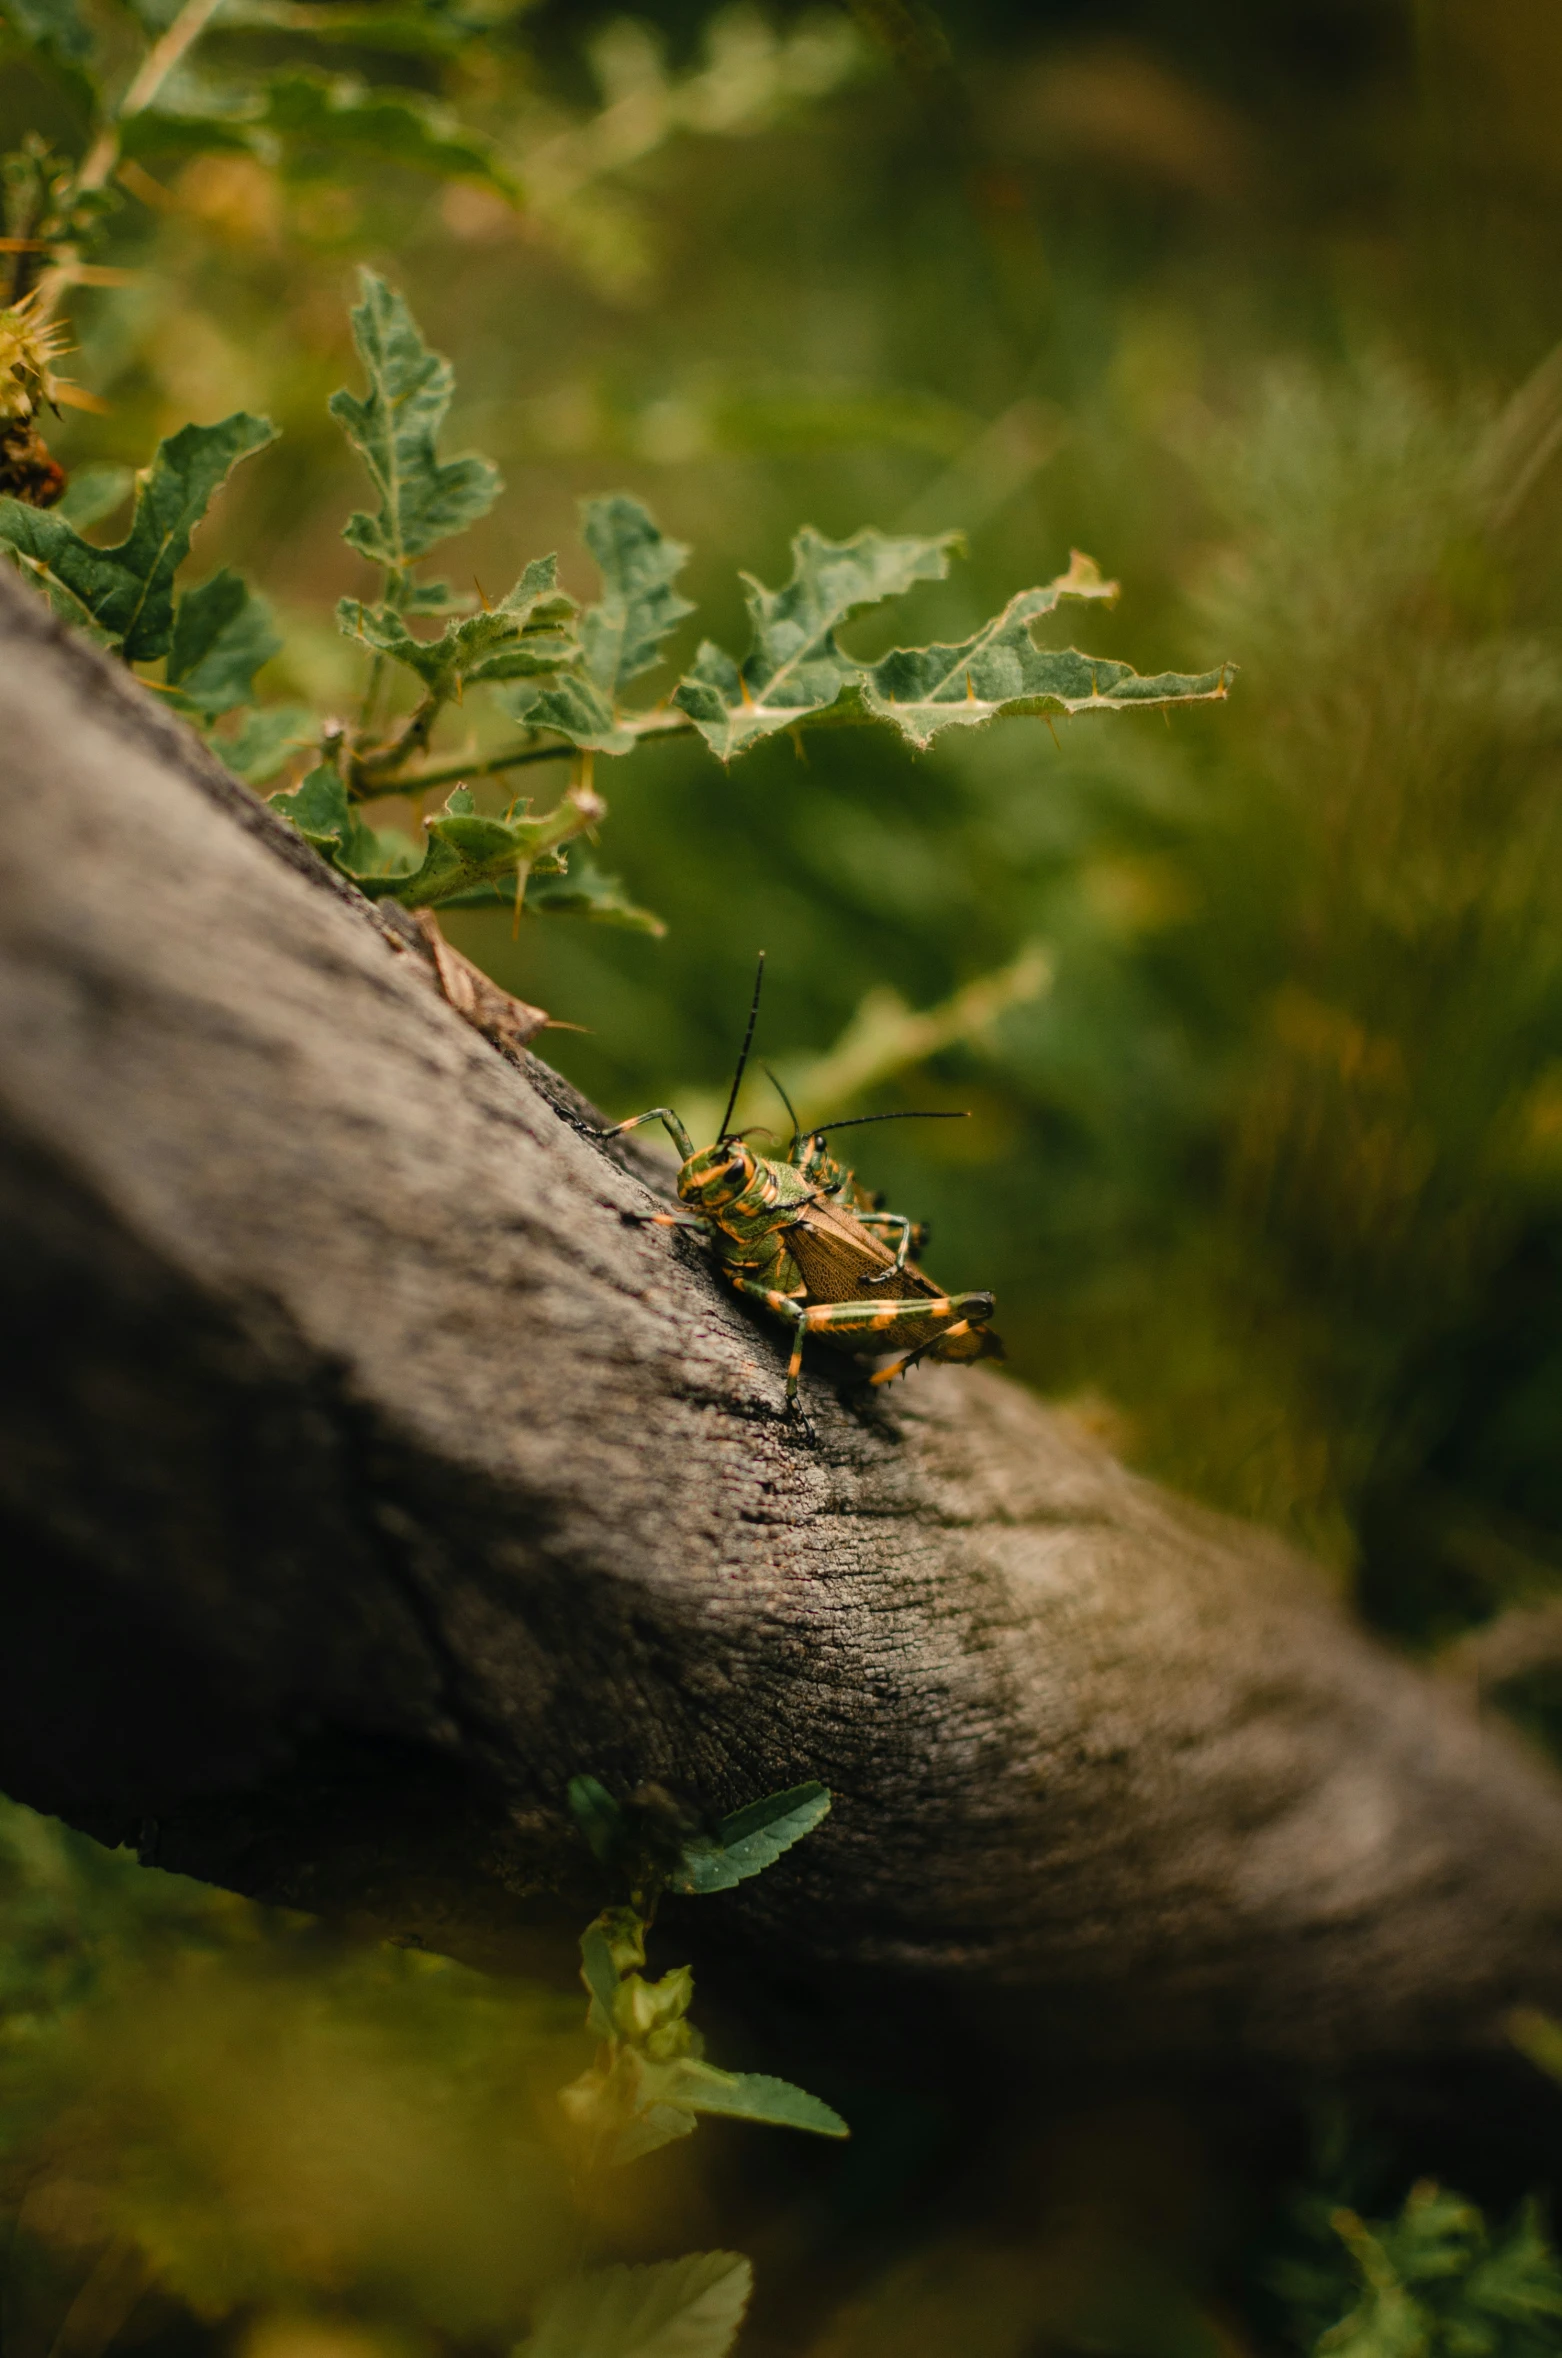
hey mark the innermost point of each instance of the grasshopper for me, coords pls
(792, 1236)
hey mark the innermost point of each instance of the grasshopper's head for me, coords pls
(717, 1175)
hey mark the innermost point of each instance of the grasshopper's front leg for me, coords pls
(793, 1313)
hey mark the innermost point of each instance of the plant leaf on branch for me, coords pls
(223, 632)
(125, 594)
(1000, 672)
(621, 635)
(751, 1840)
(795, 669)
(522, 637)
(423, 499)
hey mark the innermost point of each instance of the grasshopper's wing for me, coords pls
(835, 1253)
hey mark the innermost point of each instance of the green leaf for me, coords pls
(1387, 2321)
(752, 1839)
(323, 814)
(1517, 2284)
(754, 2096)
(600, 1975)
(92, 494)
(466, 851)
(57, 25)
(1434, 2237)
(422, 499)
(658, 2125)
(999, 671)
(524, 635)
(341, 115)
(585, 892)
(598, 1816)
(318, 808)
(689, 2308)
(223, 633)
(574, 706)
(795, 668)
(263, 740)
(623, 632)
(126, 593)
(172, 138)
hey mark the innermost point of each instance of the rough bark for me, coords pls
(366, 1473)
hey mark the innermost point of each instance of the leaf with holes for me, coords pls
(794, 669)
(1000, 671)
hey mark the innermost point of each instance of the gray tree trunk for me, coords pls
(365, 1474)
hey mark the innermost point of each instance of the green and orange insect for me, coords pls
(794, 1236)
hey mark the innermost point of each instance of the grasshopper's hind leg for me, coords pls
(978, 1308)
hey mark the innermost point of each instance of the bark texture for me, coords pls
(365, 1474)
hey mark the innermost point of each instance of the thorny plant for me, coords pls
(559, 674)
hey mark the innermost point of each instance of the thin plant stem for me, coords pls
(519, 757)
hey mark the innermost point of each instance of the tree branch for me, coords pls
(366, 1473)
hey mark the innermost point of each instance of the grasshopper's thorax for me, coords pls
(739, 1189)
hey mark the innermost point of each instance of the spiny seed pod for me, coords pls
(29, 346)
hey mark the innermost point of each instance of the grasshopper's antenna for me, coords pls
(855, 1121)
(748, 1038)
(797, 1127)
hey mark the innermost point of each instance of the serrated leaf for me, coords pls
(689, 2308)
(126, 593)
(999, 671)
(585, 892)
(794, 667)
(423, 499)
(755, 2096)
(263, 740)
(222, 634)
(379, 864)
(466, 851)
(56, 25)
(318, 807)
(752, 1839)
(92, 494)
(574, 707)
(623, 632)
(341, 114)
(526, 634)
(598, 1816)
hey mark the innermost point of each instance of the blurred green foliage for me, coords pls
(1266, 1163)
